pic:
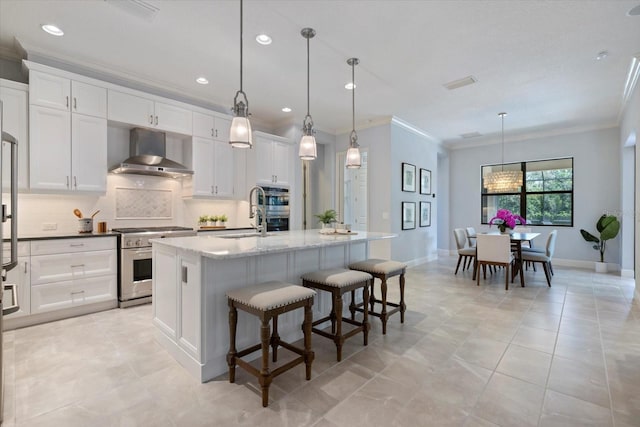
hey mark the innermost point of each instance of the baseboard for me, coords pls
(50, 316)
(422, 260)
(446, 252)
(625, 272)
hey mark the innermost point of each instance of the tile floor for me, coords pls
(466, 356)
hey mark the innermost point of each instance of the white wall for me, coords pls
(596, 185)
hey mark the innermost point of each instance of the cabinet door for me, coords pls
(202, 167)
(88, 99)
(49, 91)
(223, 169)
(203, 125)
(72, 293)
(165, 294)
(50, 148)
(222, 129)
(264, 159)
(281, 156)
(173, 118)
(15, 114)
(130, 109)
(89, 153)
(190, 298)
(61, 267)
(21, 277)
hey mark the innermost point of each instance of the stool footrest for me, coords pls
(291, 348)
(249, 350)
(282, 369)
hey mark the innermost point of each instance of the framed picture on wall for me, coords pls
(408, 215)
(425, 181)
(408, 177)
(425, 214)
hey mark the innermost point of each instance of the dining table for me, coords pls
(516, 246)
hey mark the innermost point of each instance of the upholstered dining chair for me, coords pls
(464, 253)
(493, 250)
(537, 255)
(471, 236)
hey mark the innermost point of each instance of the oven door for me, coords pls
(135, 276)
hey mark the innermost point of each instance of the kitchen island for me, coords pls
(191, 276)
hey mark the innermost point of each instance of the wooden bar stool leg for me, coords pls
(365, 321)
(403, 306)
(332, 315)
(306, 327)
(275, 340)
(383, 313)
(372, 298)
(265, 373)
(338, 338)
(231, 356)
(352, 306)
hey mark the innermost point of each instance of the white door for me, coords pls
(352, 192)
(88, 99)
(264, 159)
(203, 125)
(89, 153)
(223, 169)
(173, 118)
(50, 148)
(50, 91)
(281, 154)
(202, 167)
(130, 109)
(222, 129)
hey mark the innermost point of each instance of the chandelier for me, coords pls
(503, 181)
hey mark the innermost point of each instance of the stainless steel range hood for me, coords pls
(147, 151)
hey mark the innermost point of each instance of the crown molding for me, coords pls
(417, 131)
(630, 84)
(10, 54)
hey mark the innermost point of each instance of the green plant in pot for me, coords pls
(202, 219)
(223, 219)
(327, 217)
(608, 226)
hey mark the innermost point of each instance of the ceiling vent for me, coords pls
(137, 8)
(466, 81)
(471, 135)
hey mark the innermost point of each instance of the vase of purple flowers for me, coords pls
(506, 221)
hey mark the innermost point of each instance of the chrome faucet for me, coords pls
(258, 209)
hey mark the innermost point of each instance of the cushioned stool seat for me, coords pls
(267, 301)
(339, 281)
(383, 270)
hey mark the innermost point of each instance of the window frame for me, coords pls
(523, 193)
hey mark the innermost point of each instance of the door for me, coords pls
(223, 169)
(281, 153)
(264, 159)
(89, 153)
(50, 148)
(173, 118)
(130, 109)
(351, 192)
(202, 162)
(88, 99)
(49, 91)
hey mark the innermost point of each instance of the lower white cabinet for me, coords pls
(190, 288)
(19, 276)
(72, 293)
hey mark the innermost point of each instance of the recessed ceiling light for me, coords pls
(350, 86)
(202, 80)
(263, 39)
(602, 55)
(286, 109)
(53, 30)
(635, 11)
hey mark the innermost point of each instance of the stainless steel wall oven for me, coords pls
(277, 207)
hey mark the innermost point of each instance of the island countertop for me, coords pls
(247, 245)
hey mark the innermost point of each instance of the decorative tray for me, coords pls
(212, 227)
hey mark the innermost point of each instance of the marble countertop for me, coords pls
(249, 244)
(61, 235)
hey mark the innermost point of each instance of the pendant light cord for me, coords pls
(241, 14)
(308, 79)
(502, 163)
(353, 97)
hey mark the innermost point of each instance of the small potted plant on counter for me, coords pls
(326, 218)
(213, 220)
(223, 220)
(608, 226)
(202, 220)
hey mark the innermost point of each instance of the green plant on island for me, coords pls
(223, 218)
(608, 226)
(327, 217)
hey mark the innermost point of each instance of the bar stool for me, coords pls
(267, 301)
(339, 281)
(383, 270)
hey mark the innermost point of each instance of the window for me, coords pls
(546, 197)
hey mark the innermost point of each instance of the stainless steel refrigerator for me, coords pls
(9, 295)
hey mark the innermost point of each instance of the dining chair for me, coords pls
(464, 253)
(493, 250)
(543, 257)
(471, 236)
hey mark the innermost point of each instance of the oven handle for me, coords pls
(139, 254)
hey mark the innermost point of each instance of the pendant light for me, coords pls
(503, 181)
(240, 134)
(353, 153)
(308, 142)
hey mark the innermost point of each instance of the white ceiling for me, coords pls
(533, 59)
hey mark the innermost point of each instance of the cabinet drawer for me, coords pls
(57, 268)
(72, 293)
(83, 244)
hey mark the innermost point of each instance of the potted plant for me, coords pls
(213, 219)
(202, 220)
(506, 221)
(327, 217)
(223, 220)
(608, 226)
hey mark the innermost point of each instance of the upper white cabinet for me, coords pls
(15, 120)
(210, 126)
(65, 94)
(68, 134)
(213, 166)
(273, 159)
(140, 111)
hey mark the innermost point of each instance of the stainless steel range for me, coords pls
(134, 262)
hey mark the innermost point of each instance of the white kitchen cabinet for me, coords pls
(188, 331)
(19, 276)
(210, 126)
(139, 111)
(64, 94)
(273, 160)
(67, 273)
(213, 165)
(165, 275)
(15, 120)
(68, 151)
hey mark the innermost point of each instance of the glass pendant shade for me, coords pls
(308, 148)
(353, 158)
(503, 181)
(240, 135)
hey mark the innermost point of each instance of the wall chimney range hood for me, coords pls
(147, 150)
